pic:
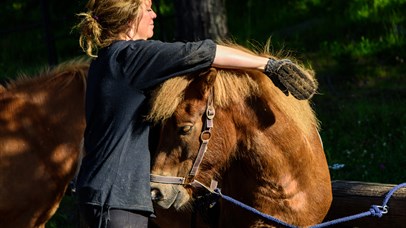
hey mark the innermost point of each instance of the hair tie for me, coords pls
(95, 17)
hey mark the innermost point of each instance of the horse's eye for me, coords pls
(184, 130)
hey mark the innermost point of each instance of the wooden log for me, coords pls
(352, 197)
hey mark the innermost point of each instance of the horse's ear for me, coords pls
(208, 78)
(202, 83)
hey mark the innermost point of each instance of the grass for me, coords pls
(366, 133)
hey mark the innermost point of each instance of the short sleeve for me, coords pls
(149, 63)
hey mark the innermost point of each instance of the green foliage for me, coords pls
(366, 133)
(165, 24)
(365, 32)
(22, 41)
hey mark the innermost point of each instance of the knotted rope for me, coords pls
(375, 210)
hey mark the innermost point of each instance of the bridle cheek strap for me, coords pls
(167, 179)
(204, 137)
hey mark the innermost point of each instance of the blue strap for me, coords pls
(253, 210)
(375, 210)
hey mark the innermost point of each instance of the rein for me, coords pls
(205, 136)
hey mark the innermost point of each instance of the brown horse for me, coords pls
(263, 149)
(41, 128)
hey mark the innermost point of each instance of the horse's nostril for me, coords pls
(156, 195)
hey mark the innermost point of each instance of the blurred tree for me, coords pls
(196, 20)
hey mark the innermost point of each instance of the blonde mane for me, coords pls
(233, 87)
(230, 87)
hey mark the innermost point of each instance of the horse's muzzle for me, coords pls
(169, 195)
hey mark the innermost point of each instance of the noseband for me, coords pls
(205, 136)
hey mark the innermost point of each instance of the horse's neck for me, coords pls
(258, 148)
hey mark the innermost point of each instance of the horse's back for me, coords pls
(41, 128)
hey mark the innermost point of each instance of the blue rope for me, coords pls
(253, 210)
(375, 210)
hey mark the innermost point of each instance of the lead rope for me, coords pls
(375, 210)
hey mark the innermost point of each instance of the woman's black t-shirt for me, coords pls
(115, 169)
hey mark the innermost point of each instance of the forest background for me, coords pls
(356, 47)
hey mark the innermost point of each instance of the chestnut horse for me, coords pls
(41, 128)
(261, 146)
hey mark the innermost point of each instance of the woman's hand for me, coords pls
(290, 77)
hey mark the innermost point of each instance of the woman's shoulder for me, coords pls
(130, 45)
(123, 44)
(145, 48)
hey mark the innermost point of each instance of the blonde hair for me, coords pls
(105, 21)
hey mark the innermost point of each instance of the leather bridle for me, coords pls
(205, 136)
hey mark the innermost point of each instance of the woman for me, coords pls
(113, 183)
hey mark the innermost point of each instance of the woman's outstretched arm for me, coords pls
(227, 57)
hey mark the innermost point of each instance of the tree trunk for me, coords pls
(200, 19)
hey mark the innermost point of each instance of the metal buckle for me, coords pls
(206, 133)
(210, 112)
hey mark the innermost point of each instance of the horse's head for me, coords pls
(182, 137)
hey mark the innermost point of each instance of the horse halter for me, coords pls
(205, 136)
